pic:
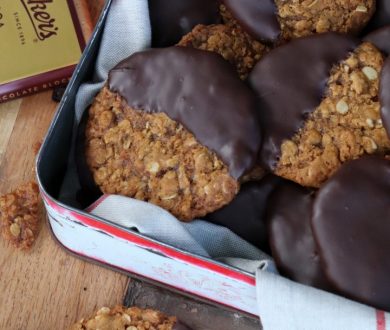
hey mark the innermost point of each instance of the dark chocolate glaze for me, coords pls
(245, 215)
(291, 238)
(380, 38)
(290, 82)
(199, 90)
(180, 326)
(381, 16)
(257, 17)
(384, 95)
(351, 225)
(172, 19)
(89, 192)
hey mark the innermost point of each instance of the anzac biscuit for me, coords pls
(167, 130)
(291, 238)
(172, 19)
(315, 140)
(133, 318)
(273, 20)
(235, 45)
(351, 226)
(245, 215)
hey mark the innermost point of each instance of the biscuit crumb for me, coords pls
(122, 318)
(20, 216)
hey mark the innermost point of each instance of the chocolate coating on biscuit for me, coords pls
(290, 82)
(180, 326)
(351, 225)
(245, 215)
(381, 17)
(257, 17)
(384, 95)
(199, 90)
(172, 19)
(291, 237)
(380, 38)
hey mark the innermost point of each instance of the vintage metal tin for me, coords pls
(119, 248)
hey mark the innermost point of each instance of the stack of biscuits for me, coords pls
(269, 117)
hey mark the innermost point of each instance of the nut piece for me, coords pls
(370, 123)
(361, 9)
(15, 229)
(370, 73)
(342, 107)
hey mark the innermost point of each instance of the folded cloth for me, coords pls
(198, 237)
(282, 304)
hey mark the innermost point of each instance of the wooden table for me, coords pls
(45, 288)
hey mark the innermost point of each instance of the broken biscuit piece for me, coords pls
(20, 216)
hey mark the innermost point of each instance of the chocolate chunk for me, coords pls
(384, 95)
(381, 17)
(245, 215)
(201, 91)
(291, 237)
(172, 19)
(290, 82)
(351, 225)
(380, 38)
(257, 17)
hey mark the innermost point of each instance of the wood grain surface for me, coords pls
(45, 288)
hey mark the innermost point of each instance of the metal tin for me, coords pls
(101, 241)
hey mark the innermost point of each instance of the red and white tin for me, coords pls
(116, 247)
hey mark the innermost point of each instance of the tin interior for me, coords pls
(53, 159)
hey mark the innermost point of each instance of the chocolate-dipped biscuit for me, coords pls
(291, 239)
(257, 17)
(280, 20)
(380, 38)
(245, 215)
(233, 44)
(172, 19)
(381, 16)
(175, 127)
(384, 95)
(351, 225)
(317, 119)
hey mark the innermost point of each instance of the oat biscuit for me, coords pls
(283, 20)
(153, 158)
(291, 238)
(310, 127)
(133, 318)
(351, 226)
(168, 131)
(20, 216)
(304, 17)
(234, 44)
(346, 125)
(172, 19)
